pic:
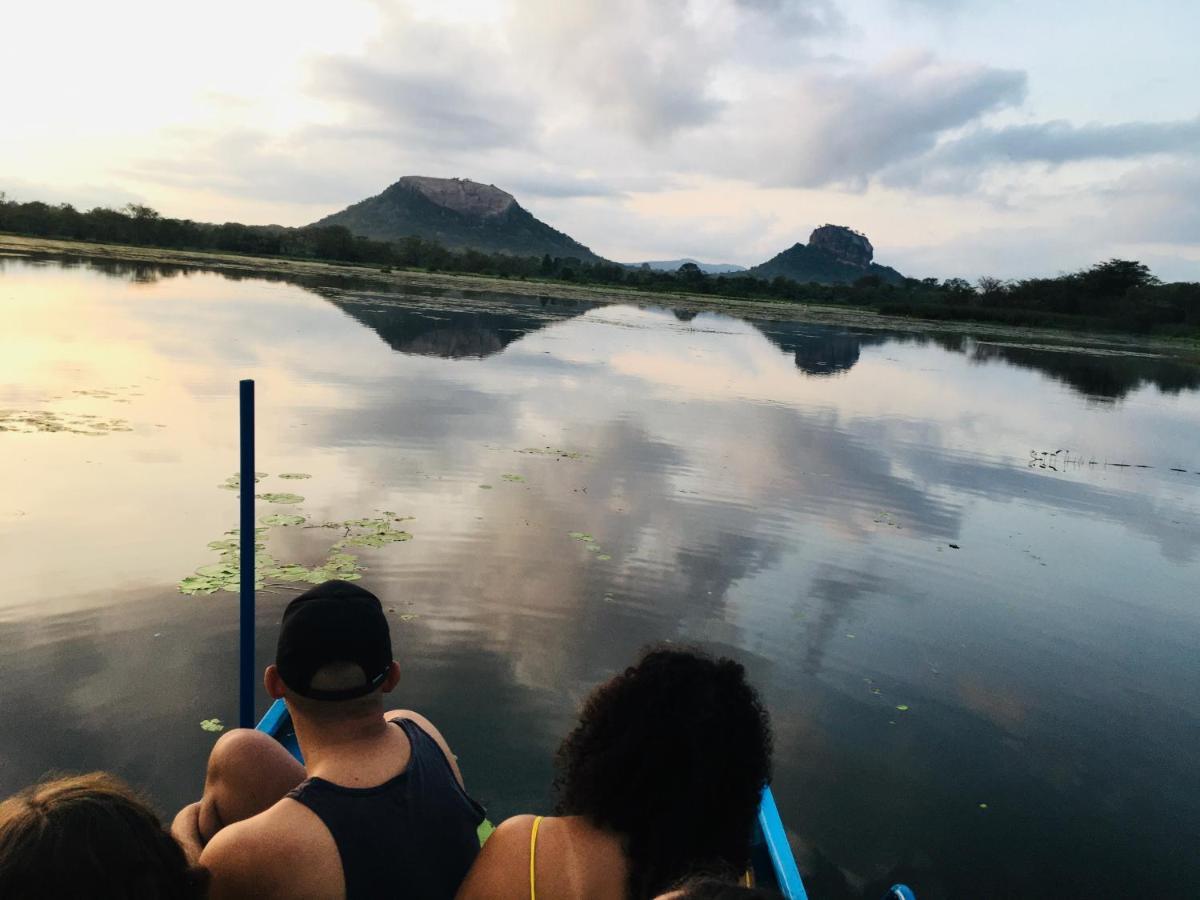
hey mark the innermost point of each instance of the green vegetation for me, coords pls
(1118, 295)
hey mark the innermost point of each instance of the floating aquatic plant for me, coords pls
(581, 536)
(510, 477)
(26, 421)
(376, 532)
(225, 573)
(272, 497)
(282, 519)
(212, 725)
(234, 482)
(294, 476)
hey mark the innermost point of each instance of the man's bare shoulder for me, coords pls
(430, 729)
(257, 857)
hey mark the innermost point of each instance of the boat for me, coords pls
(772, 863)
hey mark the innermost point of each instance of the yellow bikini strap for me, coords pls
(532, 856)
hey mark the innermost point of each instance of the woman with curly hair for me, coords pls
(659, 780)
(89, 836)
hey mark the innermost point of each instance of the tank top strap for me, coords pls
(532, 858)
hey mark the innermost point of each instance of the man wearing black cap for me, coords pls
(379, 807)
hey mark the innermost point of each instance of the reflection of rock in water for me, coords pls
(818, 350)
(457, 334)
(828, 351)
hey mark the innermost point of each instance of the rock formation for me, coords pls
(459, 214)
(843, 244)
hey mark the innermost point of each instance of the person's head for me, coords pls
(672, 755)
(89, 836)
(705, 888)
(334, 660)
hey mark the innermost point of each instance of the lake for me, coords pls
(962, 573)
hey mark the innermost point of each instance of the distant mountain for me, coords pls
(670, 265)
(458, 214)
(834, 255)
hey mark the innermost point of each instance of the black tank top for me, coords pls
(412, 836)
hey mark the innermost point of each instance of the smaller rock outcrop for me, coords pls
(834, 254)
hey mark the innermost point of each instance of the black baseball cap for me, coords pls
(335, 622)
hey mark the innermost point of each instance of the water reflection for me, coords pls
(453, 332)
(802, 523)
(482, 330)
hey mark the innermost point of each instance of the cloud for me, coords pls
(844, 128)
(256, 164)
(644, 68)
(959, 163)
(432, 111)
(807, 16)
(1157, 203)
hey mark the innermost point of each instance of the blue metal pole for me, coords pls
(246, 540)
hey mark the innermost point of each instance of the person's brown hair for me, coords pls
(89, 836)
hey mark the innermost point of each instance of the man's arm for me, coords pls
(186, 830)
(259, 858)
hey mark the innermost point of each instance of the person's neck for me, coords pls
(328, 744)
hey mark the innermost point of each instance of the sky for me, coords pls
(965, 138)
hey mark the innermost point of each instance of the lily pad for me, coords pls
(581, 536)
(281, 519)
(508, 476)
(294, 476)
(198, 584)
(604, 556)
(903, 707)
(272, 497)
(486, 487)
(212, 725)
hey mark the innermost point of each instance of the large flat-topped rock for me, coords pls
(457, 213)
(461, 195)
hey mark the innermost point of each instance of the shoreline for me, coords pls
(817, 314)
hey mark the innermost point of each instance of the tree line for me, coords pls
(1117, 294)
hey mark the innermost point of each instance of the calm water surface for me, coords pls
(853, 515)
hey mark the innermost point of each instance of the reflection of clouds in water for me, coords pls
(834, 590)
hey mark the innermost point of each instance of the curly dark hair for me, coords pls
(90, 836)
(672, 755)
(720, 889)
